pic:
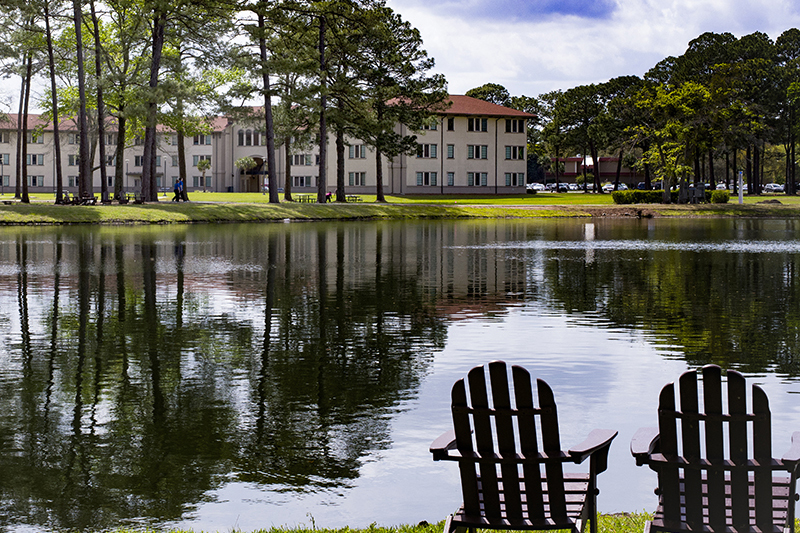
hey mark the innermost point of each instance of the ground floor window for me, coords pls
(515, 179)
(72, 181)
(451, 179)
(5, 181)
(35, 181)
(197, 182)
(358, 178)
(426, 179)
(477, 179)
(302, 181)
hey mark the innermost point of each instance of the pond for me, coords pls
(242, 376)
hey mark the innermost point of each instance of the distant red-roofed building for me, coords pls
(471, 147)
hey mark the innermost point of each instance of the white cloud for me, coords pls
(530, 56)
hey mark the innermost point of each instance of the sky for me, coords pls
(535, 46)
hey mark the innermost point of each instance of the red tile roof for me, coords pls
(466, 105)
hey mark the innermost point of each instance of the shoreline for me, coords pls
(40, 213)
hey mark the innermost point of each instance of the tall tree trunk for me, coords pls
(757, 169)
(101, 111)
(378, 164)
(28, 74)
(149, 192)
(619, 169)
(85, 168)
(323, 126)
(270, 124)
(54, 102)
(287, 186)
(119, 154)
(711, 177)
(22, 139)
(749, 169)
(340, 188)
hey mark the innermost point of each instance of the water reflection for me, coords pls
(146, 373)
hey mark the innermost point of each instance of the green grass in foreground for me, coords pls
(254, 207)
(614, 523)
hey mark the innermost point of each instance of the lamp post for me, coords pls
(2, 175)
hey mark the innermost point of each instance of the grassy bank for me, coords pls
(616, 523)
(254, 207)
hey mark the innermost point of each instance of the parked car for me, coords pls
(609, 187)
(773, 187)
(721, 186)
(536, 187)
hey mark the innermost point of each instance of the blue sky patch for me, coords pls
(538, 9)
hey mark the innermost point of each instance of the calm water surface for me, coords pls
(243, 376)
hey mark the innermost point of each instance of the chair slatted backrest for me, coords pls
(709, 461)
(495, 425)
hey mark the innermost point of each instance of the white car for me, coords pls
(536, 187)
(609, 187)
(773, 187)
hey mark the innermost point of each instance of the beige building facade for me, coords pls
(474, 147)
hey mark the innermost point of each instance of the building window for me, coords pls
(451, 123)
(451, 179)
(477, 179)
(111, 139)
(515, 125)
(515, 152)
(302, 160)
(35, 137)
(72, 138)
(302, 181)
(35, 181)
(6, 158)
(197, 158)
(477, 151)
(515, 179)
(201, 139)
(111, 161)
(426, 179)
(241, 137)
(358, 178)
(137, 160)
(430, 127)
(197, 182)
(358, 151)
(35, 159)
(138, 141)
(174, 160)
(4, 137)
(477, 124)
(72, 160)
(427, 151)
(72, 181)
(451, 151)
(5, 180)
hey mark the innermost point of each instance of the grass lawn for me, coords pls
(255, 207)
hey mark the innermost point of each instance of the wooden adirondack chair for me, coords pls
(507, 480)
(704, 485)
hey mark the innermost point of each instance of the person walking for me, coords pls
(178, 190)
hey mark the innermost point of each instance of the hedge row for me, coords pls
(656, 197)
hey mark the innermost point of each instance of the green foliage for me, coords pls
(491, 92)
(244, 163)
(641, 197)
(720, 197)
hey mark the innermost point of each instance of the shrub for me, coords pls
(720, 197)
(640, 197)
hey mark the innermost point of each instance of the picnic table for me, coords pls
(306, 198)
(353, 198)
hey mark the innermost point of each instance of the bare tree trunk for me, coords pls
(340, 185)
(119, 154)
(149, 156)
(379, 176)
(323, 126)
(85, 168)
(287, 186)
(28, 74)
(22, 140)
(270, 125)
(101, 111)
(54, 102)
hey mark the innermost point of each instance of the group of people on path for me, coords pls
(180, 192)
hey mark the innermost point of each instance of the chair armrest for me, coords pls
(445, 442)
(643, 444)
(793, 455)
(599, 440)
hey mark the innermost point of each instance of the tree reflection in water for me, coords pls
(143, 368)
